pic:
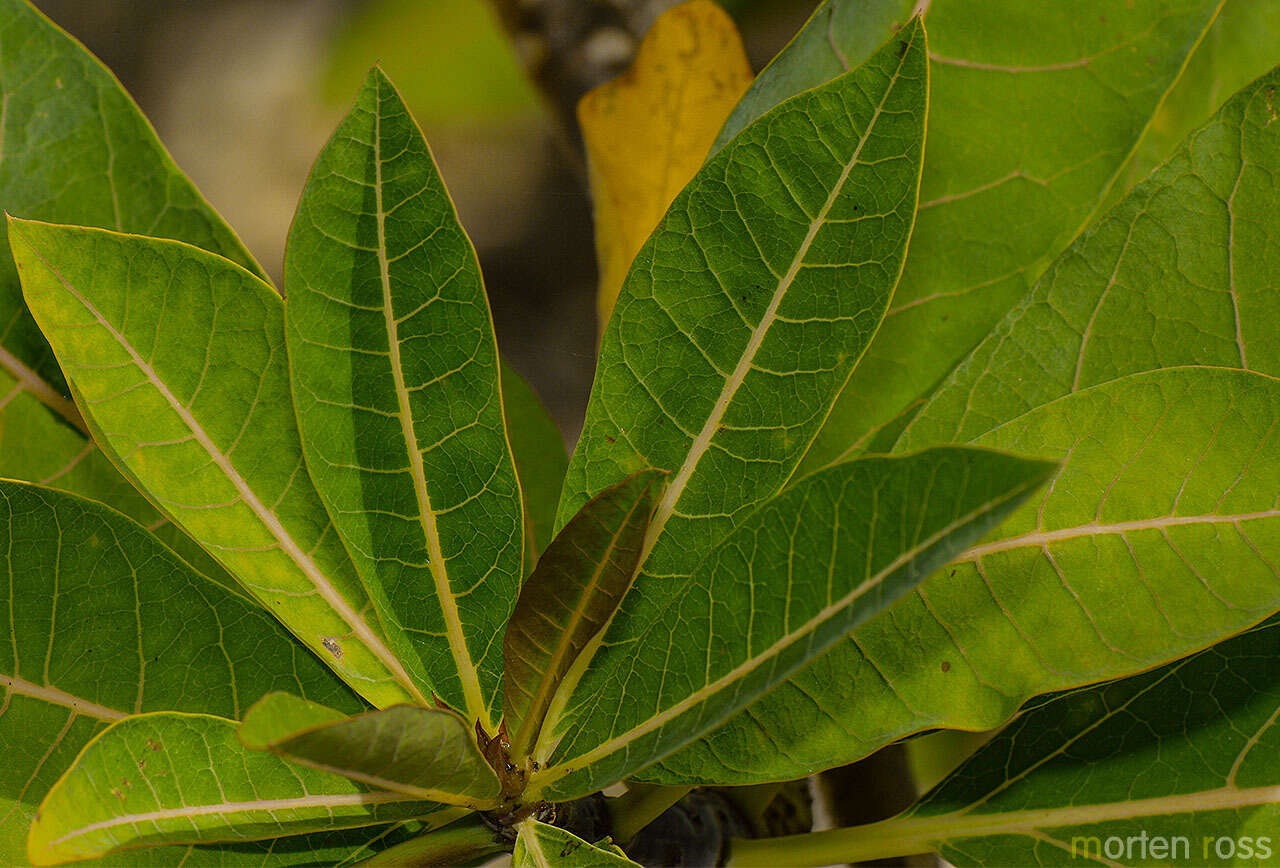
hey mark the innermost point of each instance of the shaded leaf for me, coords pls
(799, 573)
(178, 357)
(425, 753)
(104, 622)
(1159, 535)
(571, 595)
(541, 845)
(168, 777)
(541, 460)
(396, 378)
(646, 133)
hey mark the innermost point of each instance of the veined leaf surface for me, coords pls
(1026, 136)
(1181, 272)
(102, 622)
(396, 378)
(426, 753)
(77, 150)
(799, 573)
(541, 460)
(168, 777)
(178, 358)
(1158, 536)
(541, 845)
(571, 595)
(1186, 754)
(1184, 271)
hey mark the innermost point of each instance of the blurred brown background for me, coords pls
(246, 93)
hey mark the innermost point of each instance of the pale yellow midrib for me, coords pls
(55, 696)
(1040, 539)
(702, 442)
(529, 834)
(467, 674)
(43, 392)
(742, 670)
(269, 520)
(333, 801)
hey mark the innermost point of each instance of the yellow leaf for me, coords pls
(648, 131)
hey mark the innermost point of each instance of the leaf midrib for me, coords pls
(265, 805)
(54, 696)
(702, 443)
(268, 518)
(539, 781)
(1040, 539)
(467, 673)
(42, 390)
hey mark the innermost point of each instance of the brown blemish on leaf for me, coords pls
(331, 645)
(946, 665)
(153, 744)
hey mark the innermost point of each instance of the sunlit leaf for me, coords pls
(647, 132)
(395, 375)
(178, 357)
(103, 622)
(167, 777)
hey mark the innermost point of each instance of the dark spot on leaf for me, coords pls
(142, 764)
(1102, 19)
(153, 744)
(331, 645)
(902, 48)
(953, 572)
(609, 439)
(946, 666)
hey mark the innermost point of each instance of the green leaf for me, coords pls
(1026, 136)
(798, 574)
(77, 150)
(1182, 272)
(571, 595)
(396, 378)
(178, 357)
(1239, 47)
(541, 845)
(1158, 536)
(168, 777)
(749, 305)
(1162, 279)
(426, 753)
(103, 622)
(540, 458)
(1182, 759)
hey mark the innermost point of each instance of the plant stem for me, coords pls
(455, 844)
(886, 839)
(640, 806)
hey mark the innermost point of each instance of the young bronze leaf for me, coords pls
(170, 778)
(426, 753)
(177, 356)
(396, 381)
(574, 590)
